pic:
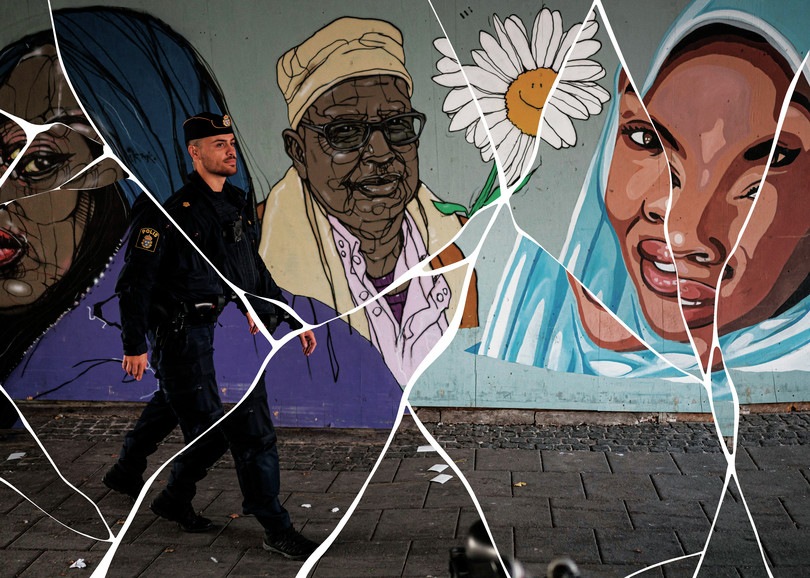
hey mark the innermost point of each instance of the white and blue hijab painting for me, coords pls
(534, 319)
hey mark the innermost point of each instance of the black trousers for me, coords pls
(156, 422)
(185, 371)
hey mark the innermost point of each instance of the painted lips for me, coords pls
(379, 185)
(11, 248)
(659, 274)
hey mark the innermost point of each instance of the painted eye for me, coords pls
(345, 135)
(643, 138)
(783, 156)
(9, 157)
(40, 165)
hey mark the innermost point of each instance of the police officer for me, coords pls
(169, 292)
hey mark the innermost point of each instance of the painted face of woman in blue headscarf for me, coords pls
(40, 230)
(715, 104)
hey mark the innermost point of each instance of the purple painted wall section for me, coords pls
(344, 383)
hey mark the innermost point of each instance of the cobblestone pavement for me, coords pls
(762, 429)
(615, 498)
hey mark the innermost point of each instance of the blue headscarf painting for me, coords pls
(616, 246)
(139, 81)
(117, 61)
(55, 242)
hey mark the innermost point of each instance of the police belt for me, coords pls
(202, 311)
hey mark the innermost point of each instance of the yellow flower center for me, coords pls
(526, 96)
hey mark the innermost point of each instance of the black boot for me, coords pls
(183, 514)
(118, 480)
(288, 543)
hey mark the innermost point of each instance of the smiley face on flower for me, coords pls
(512, 82)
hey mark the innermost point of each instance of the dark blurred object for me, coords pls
(479, 559)
(563, 568)
(8, 414)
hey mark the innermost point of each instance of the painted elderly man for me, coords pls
(353, 199)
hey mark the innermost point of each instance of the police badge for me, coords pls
(147, 240)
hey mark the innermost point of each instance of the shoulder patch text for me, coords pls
(147, 239)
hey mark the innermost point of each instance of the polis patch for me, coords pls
(147, 240)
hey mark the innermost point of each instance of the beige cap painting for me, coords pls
(345, 48)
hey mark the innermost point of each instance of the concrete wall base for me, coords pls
(559, 417)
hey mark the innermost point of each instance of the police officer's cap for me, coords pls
(206, 124)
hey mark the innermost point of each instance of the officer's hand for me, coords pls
(254, 329)
(135, 365)
(307, 342)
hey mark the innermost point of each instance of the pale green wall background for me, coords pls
(241, 42)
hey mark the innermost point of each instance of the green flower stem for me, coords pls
(487, 196)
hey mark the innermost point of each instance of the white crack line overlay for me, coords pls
(469, 261)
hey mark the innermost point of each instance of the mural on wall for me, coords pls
(62, 216)
(511, 86)
(686, 269)
(352, 215)
(144, 133)
(345, 227)
(85, 228)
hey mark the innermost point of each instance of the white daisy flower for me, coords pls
(511, 80)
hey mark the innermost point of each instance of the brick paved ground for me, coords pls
(615, 498)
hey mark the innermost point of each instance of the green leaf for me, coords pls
(496, 193)
(494, 196)
(486, 191)
(450, 208)
(525, 181)
(487, 195)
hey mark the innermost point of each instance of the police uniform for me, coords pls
(168, 292)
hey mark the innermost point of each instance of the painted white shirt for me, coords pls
(403, 345)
